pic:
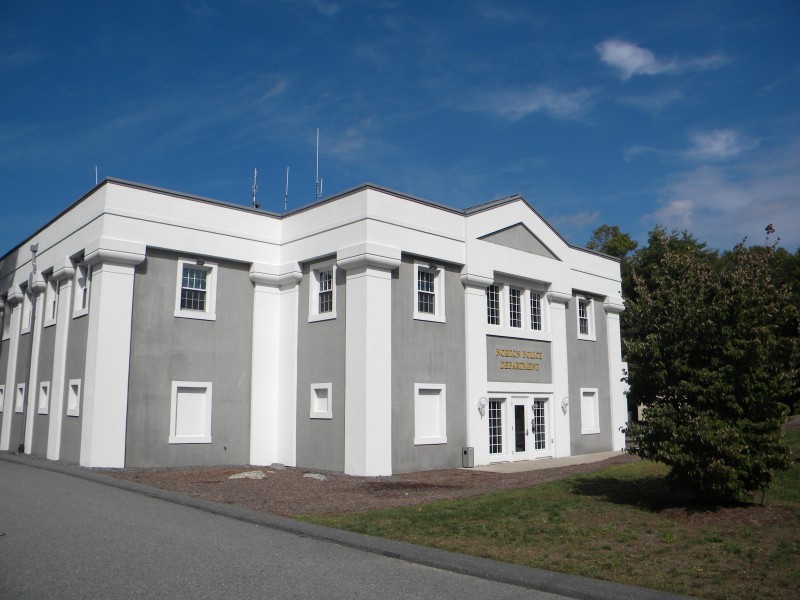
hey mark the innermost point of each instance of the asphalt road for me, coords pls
(65, 536)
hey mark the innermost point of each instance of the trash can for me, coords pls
(468, 457)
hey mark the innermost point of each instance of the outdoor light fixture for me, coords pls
(564, 404)
(482, 406)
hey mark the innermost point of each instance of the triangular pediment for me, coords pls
(519, 237)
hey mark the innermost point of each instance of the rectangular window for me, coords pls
(515, 307)
(536, 311)
(495, 426)
(20, 401)
(44, 398)
(196, 290)
(2, 397)
(83, 283)
(50, 302)
(321, 401)
(190, 413)
(585, 321)
(430, 414)
(538, 425)
(493, 305)
(25, 324)
(429, 292)
(590, 414)
(74, 398)
(322, 292)
(7, 310)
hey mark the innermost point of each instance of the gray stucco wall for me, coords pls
(321, 359)
(5, 348)
(588, 368)
(75, 368)
(427, 352)
(11, 395)
(41, 424)
(165, 348)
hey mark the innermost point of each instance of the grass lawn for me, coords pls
(622, 524)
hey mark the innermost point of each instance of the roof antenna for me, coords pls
(95, 174)
(319, 181)
(286, 193)
(255, 188)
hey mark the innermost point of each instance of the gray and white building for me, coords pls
(370, 333)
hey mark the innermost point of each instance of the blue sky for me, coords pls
(685, 114)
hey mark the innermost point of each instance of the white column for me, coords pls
(63, 275)
(273, 392)
(13, 304)
(368, 356)
(105, 391)
(36, 338)
(619, 403)
(563, 403)
(475, 329)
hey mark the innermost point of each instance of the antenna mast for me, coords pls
(286, 194)
(319, 181)
(255, 188)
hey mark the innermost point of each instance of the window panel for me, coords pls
(196, 290)
(493, 305)
(515, 307)
(430, 414)
(536, 311)
(495, 426)
(429, 292)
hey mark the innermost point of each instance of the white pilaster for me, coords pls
(273, 394)
(105, 391)
(62, 273)
(619, 404)
(563, 403)
(31, 386)
(368, 356)
(475, 316)
(13, 304)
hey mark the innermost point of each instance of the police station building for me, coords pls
(370, 333)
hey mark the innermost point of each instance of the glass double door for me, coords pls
(519, 427)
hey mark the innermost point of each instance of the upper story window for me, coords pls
(585, 319)
(83, 283)
(50, 301)
(25, 324)
(536, 311)
(196, 290)
(322, 292)
(493, 305)
(516, 306)
(429, 292)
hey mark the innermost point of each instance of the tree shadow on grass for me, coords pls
(650, 493)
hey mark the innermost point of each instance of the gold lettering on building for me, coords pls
(519, 354)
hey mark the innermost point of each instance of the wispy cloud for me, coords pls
(722, 204)
(516, 104)
(631, 60)
(719, 144)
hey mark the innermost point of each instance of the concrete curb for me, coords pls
(572, 586)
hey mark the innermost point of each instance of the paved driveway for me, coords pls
(64, 536)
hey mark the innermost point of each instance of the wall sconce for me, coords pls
(564, 404)
(200, 262)
(482, 406)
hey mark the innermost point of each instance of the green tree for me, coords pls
(608, 239)
(705, 355)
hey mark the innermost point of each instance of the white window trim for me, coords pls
(50, 296)
(526, 330)
(313, 291)
(326, 413)
(2, 397)
(27, 309)
(82, 271)
(43, 406)
(210, 312)
(203, 438)
(74, 407)
(438, 316)
(590, 316)
(594, 426)
(19, 402)
(441, 438)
